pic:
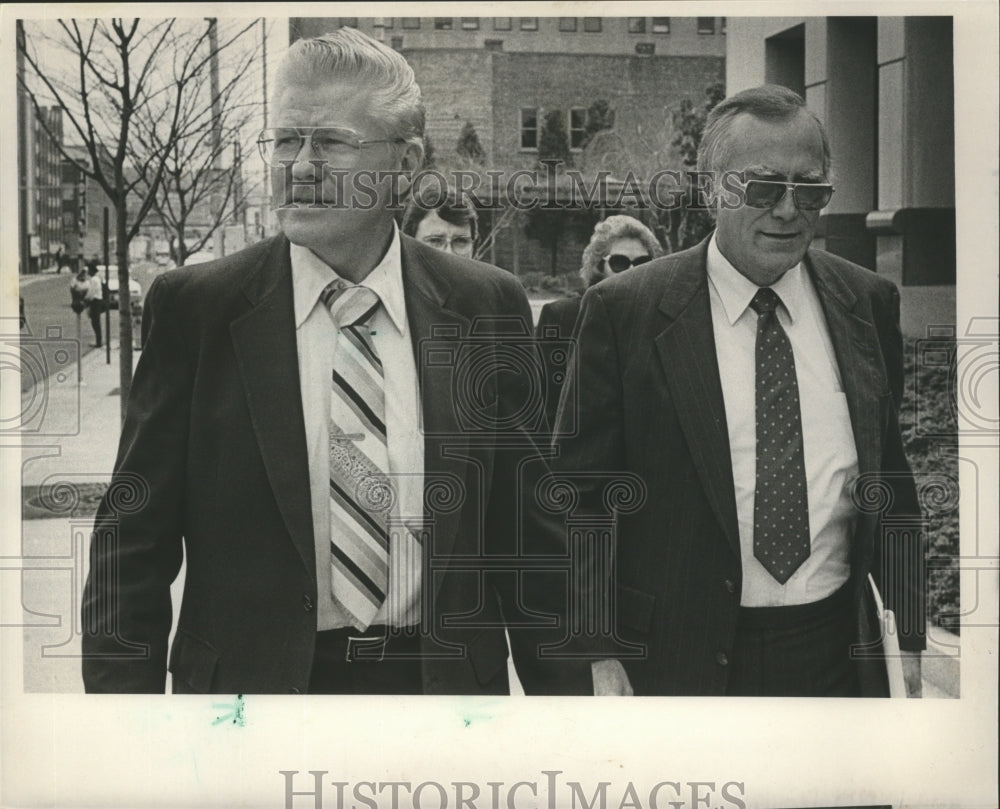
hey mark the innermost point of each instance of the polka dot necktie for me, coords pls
(781, 506)
(361, 495)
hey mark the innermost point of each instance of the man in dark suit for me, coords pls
(349, 514)
(753, 385)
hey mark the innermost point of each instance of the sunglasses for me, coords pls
(768, 193)
(619, 263)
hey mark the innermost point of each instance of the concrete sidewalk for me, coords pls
(70, 437)
(70, 426)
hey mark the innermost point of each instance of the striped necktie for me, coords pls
(361, 495)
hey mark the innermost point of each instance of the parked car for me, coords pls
(134, 287)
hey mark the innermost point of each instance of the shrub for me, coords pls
(929, 426)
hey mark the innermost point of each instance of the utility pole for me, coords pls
(213, 43)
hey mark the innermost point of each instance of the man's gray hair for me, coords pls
(769, 102)
(611, 229)
(350, 55)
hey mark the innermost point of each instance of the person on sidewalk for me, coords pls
(754, 384)
(292, 433)
(95, 301)
(78, 289)
(444, 221)
(617, 244)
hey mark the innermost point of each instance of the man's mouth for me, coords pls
(781, 237)
(306, 198)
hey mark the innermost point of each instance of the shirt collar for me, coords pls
(311, 275)
(736, 290)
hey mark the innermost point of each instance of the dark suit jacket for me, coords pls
(213, 450)
(651, 403)
(554, 331)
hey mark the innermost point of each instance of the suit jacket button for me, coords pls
(721, 659)
(307, 603)
(730, 586)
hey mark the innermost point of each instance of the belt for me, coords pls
(370, 645)
(796, 614)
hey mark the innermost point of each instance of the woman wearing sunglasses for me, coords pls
(618, 244)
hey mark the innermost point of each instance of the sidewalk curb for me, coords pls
(941, 663)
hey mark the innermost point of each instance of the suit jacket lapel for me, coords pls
(687, 352)
(264, 342)
(437, 330)
(855, 343)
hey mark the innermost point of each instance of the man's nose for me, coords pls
(305, 166)
(785, 209)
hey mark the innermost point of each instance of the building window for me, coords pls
(411, 23)
(637, 25)
(529, 127)
(592, 25)
(442, 23)
(567, 24)
(383, 22)
(722, 25)
(661, 25)
(397, 43)
(706, 25)
(529, 23)
(501, 23)
(470, 23)
(577, 127)
(493, 44)
(348, 22)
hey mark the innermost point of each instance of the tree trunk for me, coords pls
(124, 305)
(182, 252)
(554, 251)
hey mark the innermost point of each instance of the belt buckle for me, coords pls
(366, 649)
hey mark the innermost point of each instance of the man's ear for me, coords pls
(411, 159)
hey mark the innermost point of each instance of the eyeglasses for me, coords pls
(768, 193)
(282, 144)
(619, 263)
(460, 245)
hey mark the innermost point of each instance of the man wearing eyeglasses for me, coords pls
(753, 384)
(350, 523)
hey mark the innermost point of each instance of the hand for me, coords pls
(912, 675)
(610, 679)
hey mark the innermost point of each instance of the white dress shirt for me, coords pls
(95, 288)
(831, 458)
(316, 339)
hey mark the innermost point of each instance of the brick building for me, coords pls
(504, 74)
(83, 208)
(43, 187)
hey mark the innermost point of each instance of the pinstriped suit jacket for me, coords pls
(649, 401)
(214, 442)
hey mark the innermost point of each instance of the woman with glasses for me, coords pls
(617, 244)
(436, 216)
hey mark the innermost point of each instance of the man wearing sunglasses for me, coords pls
(294, 434)
(753, 383)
